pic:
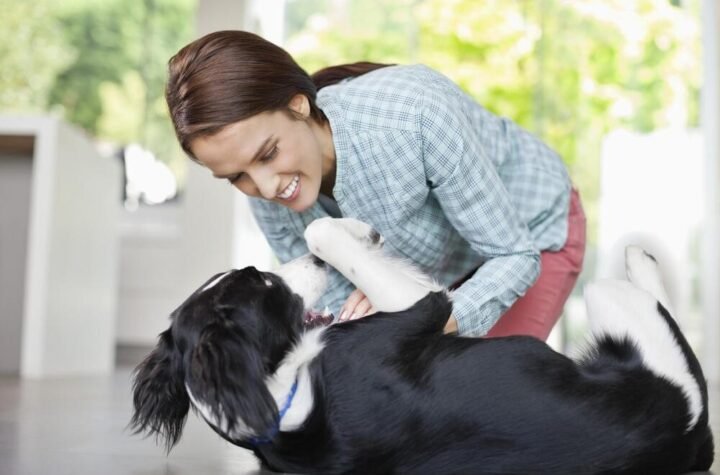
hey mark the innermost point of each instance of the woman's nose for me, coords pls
(266, 186)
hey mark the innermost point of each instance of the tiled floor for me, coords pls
(76, 426)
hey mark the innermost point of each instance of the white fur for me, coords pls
(305, 278)
(296, 363)
(215, 281)
(643, 271)
(624, 309)
(391, 284)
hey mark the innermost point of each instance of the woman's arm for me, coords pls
(468, 188)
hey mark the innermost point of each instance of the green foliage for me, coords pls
(102, 38)
(114, 87)
(339, 32)
(100, 64)
(32, 52)
(570, 71)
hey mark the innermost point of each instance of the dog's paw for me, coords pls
(362, 232)
(325, 234)
(318, 235)
(642, 270)
(639, 264)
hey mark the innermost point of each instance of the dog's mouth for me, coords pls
(314, 319)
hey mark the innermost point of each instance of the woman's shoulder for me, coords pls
(389, 95)
(412, 73)
(404, 80)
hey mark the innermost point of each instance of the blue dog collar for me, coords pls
(288, 402)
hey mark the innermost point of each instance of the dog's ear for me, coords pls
(227, 374)
(159, 396)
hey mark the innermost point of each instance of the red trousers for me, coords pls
(536, 312)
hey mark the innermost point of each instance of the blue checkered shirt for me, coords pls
(451, 186)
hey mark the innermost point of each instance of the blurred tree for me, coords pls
(32, 52)
(340, 31)
(106, 37)
(114, 88)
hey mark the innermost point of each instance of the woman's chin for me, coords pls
(298, 205)
(302, 202)
(301, 207)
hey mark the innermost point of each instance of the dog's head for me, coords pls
(223, 342)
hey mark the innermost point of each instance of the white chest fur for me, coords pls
(296, 364)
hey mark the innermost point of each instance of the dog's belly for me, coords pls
(500, 406)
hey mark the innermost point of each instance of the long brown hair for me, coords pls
(228, 76)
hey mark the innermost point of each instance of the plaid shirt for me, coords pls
(451, 186)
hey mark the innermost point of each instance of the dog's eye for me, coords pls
(268, 283)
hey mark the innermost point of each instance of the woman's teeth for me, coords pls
(290, 189)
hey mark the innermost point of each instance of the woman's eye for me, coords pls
(270, 155)
(265, 158)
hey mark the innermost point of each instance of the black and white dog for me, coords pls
(391, 393)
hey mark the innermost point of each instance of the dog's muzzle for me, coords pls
(315, 319)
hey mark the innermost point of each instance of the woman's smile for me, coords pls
(292, 190)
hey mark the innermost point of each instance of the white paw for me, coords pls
(319, 236)
(640, 266)
(326, 234)
(643, 271)
(362, 232)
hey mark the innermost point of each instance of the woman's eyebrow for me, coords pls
(259, 152)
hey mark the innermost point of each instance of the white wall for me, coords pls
(81, 257)
(150, 267)
(69, 289)
(15, 180)
(710, 118)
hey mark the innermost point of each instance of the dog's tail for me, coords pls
(638, 312)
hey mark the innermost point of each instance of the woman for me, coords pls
(468, 197)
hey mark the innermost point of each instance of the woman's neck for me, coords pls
(327, 147)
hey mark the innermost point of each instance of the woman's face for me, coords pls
(272, 156)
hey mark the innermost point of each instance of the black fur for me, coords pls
(392, 394)
(161, 402)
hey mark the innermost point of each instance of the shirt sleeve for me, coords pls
(468, 188)
(289, 243)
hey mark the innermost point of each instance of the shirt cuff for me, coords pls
(472, 321)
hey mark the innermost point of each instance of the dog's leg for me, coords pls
(354, 249)
(642, 270)
(626, 310)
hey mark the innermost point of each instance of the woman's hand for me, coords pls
(451, 325)
(356, 306)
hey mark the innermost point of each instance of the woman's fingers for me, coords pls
(356, 306)
(362, 309)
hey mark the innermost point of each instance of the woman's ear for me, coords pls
(300, 105)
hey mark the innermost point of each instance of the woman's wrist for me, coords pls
(451, 325)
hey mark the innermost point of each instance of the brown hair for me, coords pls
(228, 76)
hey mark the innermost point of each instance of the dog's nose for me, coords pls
(318, 262)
